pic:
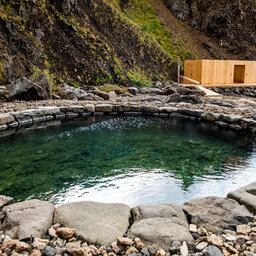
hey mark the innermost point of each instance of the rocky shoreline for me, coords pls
(210, 226)
(13, 120)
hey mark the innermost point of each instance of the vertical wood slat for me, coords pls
(218, 72)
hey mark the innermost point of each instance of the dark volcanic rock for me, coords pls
(24, 89)
(194, 99)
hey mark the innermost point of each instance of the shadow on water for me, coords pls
(123, 159)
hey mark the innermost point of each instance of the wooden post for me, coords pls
(178, 75)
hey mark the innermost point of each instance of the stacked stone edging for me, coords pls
(27, 118)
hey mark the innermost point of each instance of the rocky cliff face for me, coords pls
(77, 42)
(230, 23)
(82, 42)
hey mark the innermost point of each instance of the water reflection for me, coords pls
(129, 160)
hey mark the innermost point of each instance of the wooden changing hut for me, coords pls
(219, 73)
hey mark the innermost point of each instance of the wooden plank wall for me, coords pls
(218, 71)
(193, 69)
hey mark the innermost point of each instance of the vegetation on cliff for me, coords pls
(86, 42)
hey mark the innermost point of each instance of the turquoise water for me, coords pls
(124, 159)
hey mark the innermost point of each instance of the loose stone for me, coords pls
(184, 249)
(124, 241)
(243, 229)
(193, 228)
(48, 251)
(201, 246)
(35, 252)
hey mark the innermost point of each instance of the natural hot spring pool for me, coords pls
(125, 159)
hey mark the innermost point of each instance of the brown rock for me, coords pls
(115, 248)
(11, 244)
(160, 252)
(111, 254)
(52, 232)
(22, 247)
(130, 250)
(201, 246)
(76, 251)
(243, 229)
(124, 241)
(65, 232)
(140, 245)
(35, 252)
(215, 240)
(16, 245)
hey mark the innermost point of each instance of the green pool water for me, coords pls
(124, 159)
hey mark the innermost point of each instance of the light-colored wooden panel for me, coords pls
(214, 72)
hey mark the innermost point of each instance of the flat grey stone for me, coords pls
(162, 210)
(50, 110)
(209, 116)
(216, 213)
(29, 218)
(191, 112)
(212, 251)
(13, 124)
(3, 127)
(149, 109)
(77, 109)
(6, 119)
(231, 118)
(33, 112)
(160, 225)
(132, 113)
(246, 196)
(103, 108)
(168, 109)
(89, 107)
(18, 114)
(70, 115)
(60, 116)
(97, 223)
(161, 231)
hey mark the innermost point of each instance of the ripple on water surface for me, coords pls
(125, 159)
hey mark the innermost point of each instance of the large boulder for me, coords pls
(45, 84)
(216, 213)
(29, 218)
(190, 90)
(99, 93)
(24, 89)
(246, 196)
(97, 223)
(160, 225)
(150, 90)
(70, 93)
(175, 97)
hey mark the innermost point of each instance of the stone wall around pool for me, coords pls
(13, 121)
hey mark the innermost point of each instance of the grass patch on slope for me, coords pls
(142, 13)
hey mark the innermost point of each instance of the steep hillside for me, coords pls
(86, 42)
(226, 28)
